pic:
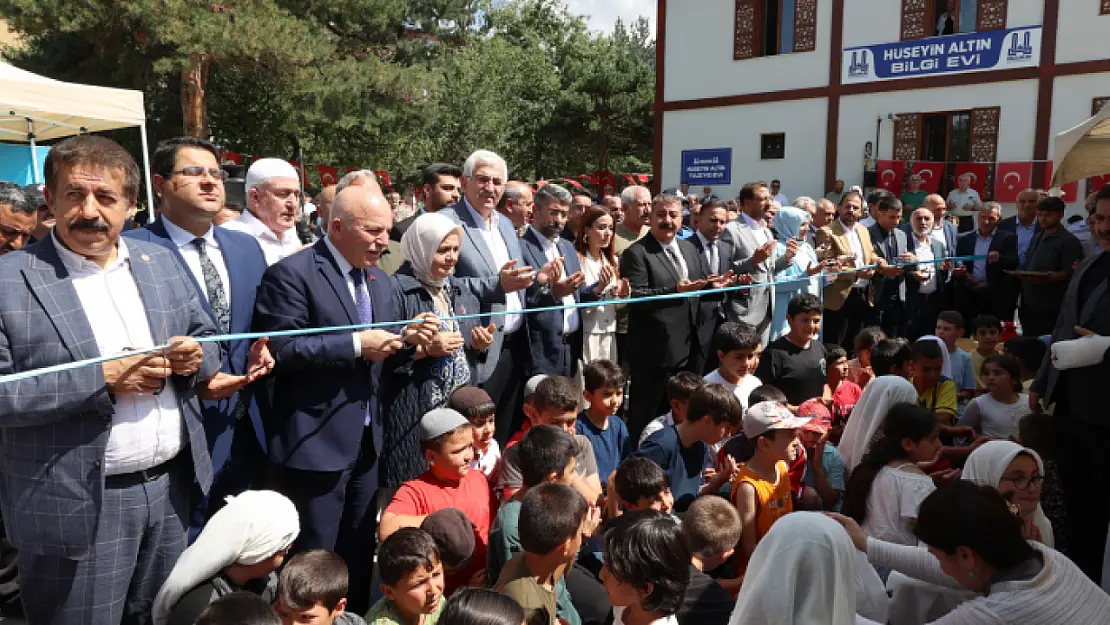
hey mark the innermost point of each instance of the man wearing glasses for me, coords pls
(273, 193)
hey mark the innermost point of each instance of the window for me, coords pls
(946, 138)
(772, 146)
(932, 18)
(772, 27)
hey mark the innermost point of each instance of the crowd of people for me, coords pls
(534, 406)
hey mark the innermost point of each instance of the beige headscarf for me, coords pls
(422, 240)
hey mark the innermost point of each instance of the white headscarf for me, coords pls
(251, 528)
(421, 241)
(946, 370)
(806, 571)
(869, 414)
(986, 465)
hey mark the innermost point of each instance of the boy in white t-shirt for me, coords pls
(738, 347)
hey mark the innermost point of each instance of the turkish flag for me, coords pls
(930, 173)
(572, 182)
(978, 173)
(328, 175)
(383, 179)
(1097, 183)
(232, 157)
(891, 174)
(643, 178)
(1010, 179)
(1069, 192)
(606, 182)
(541, 184)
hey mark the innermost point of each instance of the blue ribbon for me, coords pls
(247, 336)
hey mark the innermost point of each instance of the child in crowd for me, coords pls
(554, 519)
(412, 580)
(740, 449)
(825, 473)
(683, 450)
(239, 608)
(475, 404)
(761, 488)
(555, 402)
(950, 328)
(312, 588)
(892, 357)
(481, 606)
(647, 568)
(860, 370)
(680, 387)
(795, 363)
(738, 348)
(527, 407)
(1029, 351)
(607, 433)
(448, 442)
(997, 412)
(453, 534)
(988, 332)
(711, 529)
(841, 394)
(639, 484)
(935, 391)
(1036, 431)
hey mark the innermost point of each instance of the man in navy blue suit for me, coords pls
(556, 336)
(226, 268)
(323, 417)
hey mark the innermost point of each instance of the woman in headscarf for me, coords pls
(793, 223)
(806, 571)
(867, 418)
(423, 284)
(239, 550)
(1017, 472)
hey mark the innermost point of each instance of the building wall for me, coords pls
(1082, 32)
(740, 127)
(699, 60)
(868, 22)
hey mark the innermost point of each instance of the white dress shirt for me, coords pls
(711, 252)
(571, 322)
(500, 250)
(759, 231)
(782, 200)
(345, 269)
(183, 239)
(147, 429)
(274, 248)
(959, 199)
(857, 249)
(923, 250)
(938, 235)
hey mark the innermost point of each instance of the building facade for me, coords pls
(811, 91)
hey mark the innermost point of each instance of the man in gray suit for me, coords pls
(98, 461)
(755, 254)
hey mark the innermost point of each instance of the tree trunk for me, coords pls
(194, 89)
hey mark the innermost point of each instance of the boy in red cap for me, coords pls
(826, 473)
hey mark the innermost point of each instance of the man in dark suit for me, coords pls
(716, 255)
(556, 336)
(441, 189)
(1080, 419)
(892, 244)
(982, 284)
(98, 460)
(924, 282)
(226, 268)
(1024, 225)
(322, 415)
(662, 335)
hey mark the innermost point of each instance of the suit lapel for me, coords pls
(49, 282)
(474, 233)
(657, 251)
(148, 286)
(240, 289)
(330, 270)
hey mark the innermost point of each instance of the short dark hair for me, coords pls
(1103, 193)
(889, 203)
(803, 303)
(766, 392)
(734, 335)
(713, 202)
(716, 402)
(432, 173)
(239, 608)
(481, 606)
(776, 181)
(868, 337)
(1052, 204)
(681, 386)
(711, 527)
(890, 353)
(953, 317)
(1029, 350)
(1007, 363)
(989, 322)
(964, 514)
(93, 151)
(927, 349)
(639, 477)
(545, 449)
(645, 549)
(312, 577)
(556, 392)
(747, 192)
(161, 162)
(834, 353)
(550, 514)
(601, 374)
(404, 551)
(849, 194)
(580, 192)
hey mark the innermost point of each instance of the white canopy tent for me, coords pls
(1083, 151)
(34, 108)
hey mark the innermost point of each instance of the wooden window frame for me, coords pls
(930, 17)
(763, 137)
(749, 43)
(1104, 7)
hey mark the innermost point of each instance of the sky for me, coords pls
(604, 13)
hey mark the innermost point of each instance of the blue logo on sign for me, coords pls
(1021, 47)
(859, 65)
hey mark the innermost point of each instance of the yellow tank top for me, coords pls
(774, 499)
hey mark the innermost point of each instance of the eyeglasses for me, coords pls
(1023, 482)
(197, 172)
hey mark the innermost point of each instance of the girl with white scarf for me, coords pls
(239, 549)
(867, 418)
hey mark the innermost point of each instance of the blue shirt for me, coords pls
(1025, 237)
(962, 373)
(683, 465)
(835, 470)
(611, 445)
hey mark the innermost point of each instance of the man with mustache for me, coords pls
(99, 460)
(273, 205)
(848, 297)
(441, 189)
(517, 205)
(925, 281)
(18, 219)
(982, 282)
(1082, 432)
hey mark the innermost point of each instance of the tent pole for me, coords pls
(34, 156)
(146, 174)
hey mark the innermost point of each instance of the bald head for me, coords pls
(323, 201)
(361, 218)
(937, 206)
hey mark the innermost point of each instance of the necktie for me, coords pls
(214, 286)
(714, 258)
(678, 266)
(365, 315)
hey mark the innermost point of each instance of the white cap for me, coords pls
(266, 168)
(768, 415)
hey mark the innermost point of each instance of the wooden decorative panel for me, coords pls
(984, 141)
(745, 36)
(915, 19)
(1104, 8)
(805, 25)
(992, 15)
(907, 132)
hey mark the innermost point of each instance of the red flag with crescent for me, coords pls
(231, 158)
(1068, 192)
(328, 175)
(978, 172)
(1010, 179)
(606, 182)
(931, 174)
(1097, 183)
(540, 184)
(383, 179)
(572, 182)
(890, 176)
